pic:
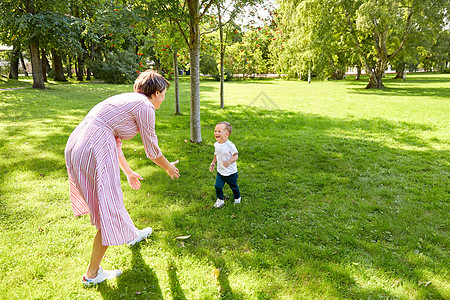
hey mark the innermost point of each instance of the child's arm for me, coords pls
(213, 164)
(231, 160)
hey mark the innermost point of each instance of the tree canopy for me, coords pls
(331, 35)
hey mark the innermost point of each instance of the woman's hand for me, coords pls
(173, 171)
(133, 180)
(212, 166)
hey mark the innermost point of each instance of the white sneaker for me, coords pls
(143, 234)
(219, 203)
(237, 201)
(102, 275)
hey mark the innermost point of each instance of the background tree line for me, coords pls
(115, 40)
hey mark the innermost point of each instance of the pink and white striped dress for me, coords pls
(92, 159)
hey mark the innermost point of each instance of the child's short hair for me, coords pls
(228, 126)
(150, 82)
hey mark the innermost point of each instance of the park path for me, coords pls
(25, 87)
(17, 88)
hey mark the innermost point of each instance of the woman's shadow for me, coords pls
(138, 282)
(225, 291)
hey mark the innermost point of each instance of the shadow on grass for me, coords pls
(138, 282)
(225, 291)
(405, 91)
(416, 86)
(175, 286)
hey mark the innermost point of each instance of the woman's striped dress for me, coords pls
(92, 153)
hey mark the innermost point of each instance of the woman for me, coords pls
(94, 159)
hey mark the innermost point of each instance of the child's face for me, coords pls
(221, 133)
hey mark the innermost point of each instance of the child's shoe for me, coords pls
(102, 275)
(219, 203)
(143, 234)
(237, 201)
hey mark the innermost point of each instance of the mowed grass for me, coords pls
(345, 195)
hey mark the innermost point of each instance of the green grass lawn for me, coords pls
(345, 195)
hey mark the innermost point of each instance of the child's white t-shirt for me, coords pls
(224, 152)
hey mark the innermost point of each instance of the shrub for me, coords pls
(117, 67)
(208, 65)
(227, 76)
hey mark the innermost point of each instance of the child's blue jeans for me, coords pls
(232, 182)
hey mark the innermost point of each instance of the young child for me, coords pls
(225, 155)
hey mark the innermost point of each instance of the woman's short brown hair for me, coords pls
(150, 82)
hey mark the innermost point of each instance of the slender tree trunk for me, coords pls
(14, 63)
(23, 64)
(222, 54)
(36, 64)
(88, 74)
(222, 79)
(176, 82)
(309, 73)
(358, 73)
(69, 67)
(81, 60)
(80, 67)
(44, 62)
(58, 67)
(194, 61)
(89, 57)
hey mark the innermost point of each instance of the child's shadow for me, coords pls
(139, 282)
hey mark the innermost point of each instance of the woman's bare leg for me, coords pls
(98, 251)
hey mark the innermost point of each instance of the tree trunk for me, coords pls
(194, 61)
(14, 64)
(400, 70)
(81, 61)
(338, 74)
(23, 64)
(222, 79)
(91, 58)
(176, 82)
(375, 80)
(358, 73)
(399, 74)
(44, 62)
(36, 64)
(80, 67)
(222, 54)
(88, 74)
(58, 67)
(69, 67)
(309, 73)
(376, 76)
